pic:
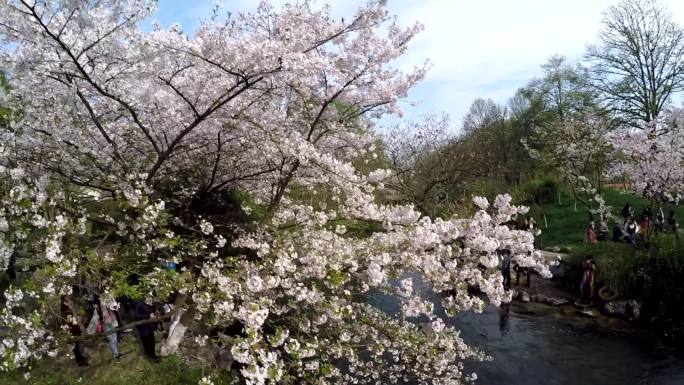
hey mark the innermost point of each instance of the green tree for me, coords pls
(493, 133)
(563, 89)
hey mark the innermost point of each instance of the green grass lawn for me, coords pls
(565, 225)
(132, 369)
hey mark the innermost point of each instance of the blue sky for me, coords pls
(483, 48)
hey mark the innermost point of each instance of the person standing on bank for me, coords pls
(590, 235)
(587, 283)
(603, 232)
(524, 271)
(644, 227)
(141, 312)
(672, 223)
(648, 214)
(506, 269)
(627, 212)
(660, 221)
(631, 231)
(618, 234)
(109, 323)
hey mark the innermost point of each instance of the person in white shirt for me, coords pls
(109, 323)
(631, 231)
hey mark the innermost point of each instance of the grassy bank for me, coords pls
(651, 272)
(131, 369)
(566, 222)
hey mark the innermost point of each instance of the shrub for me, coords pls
(651, 272)
(614, 265)
(537, 191)
(134, 368)
(664, 293)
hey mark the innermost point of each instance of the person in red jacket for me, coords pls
(590, 235)
(643, 227)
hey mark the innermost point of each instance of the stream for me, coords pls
(531, 349)
(535, 344)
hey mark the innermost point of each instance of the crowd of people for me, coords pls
(92, 316)
(634, 229)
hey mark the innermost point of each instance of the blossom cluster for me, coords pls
(652, 159)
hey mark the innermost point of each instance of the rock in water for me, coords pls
(524, 297)
(553, 301)
(538, 298)
(558, 270)
(587, 313)
(616, 308)
(633, 309)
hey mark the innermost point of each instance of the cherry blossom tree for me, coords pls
(651, 160)
(578, 149)
(131, 148)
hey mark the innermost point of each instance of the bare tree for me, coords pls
(416, 153)
(639, 62)
(562, 88)
(430, 165)
(482, 113)
(491, 129)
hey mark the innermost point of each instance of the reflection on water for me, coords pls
(542, 349)
(504, 315)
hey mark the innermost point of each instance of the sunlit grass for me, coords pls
(131, 369)
(566, 222)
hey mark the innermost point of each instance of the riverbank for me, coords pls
(131, 368)
(545, 297)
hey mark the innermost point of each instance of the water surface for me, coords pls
(548, 350)
(535, 344)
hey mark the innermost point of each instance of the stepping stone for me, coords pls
(582, 305)
(553, 301)
(587, 313)
(538, 298)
